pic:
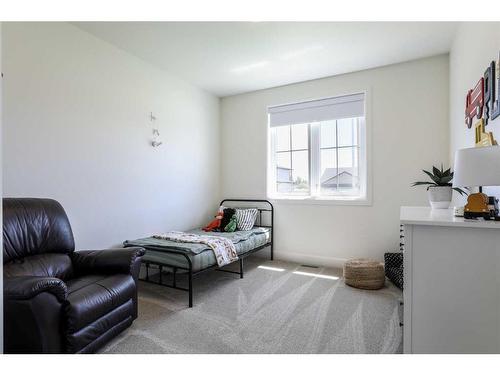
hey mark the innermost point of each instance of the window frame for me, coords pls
(364, 144)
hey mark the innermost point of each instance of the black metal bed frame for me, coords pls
(189, 269)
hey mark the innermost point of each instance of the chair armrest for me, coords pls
(32, 314)
(107, 261)
(28, 287)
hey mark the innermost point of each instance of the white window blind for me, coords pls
(317, 150)
(347, 106)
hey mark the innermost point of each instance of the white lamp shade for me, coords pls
(479, 166)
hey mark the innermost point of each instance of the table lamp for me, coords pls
(479, 166)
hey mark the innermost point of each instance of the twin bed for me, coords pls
(192, 259)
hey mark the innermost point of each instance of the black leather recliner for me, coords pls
(57, 300)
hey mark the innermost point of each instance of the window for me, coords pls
(318, 149)
(292, 159)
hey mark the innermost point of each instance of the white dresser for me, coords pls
(451, 283)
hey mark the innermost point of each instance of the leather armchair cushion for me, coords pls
(90, 297)
(34, 226)
(47, 265)
(87, 339)
(106, 261)
(28, 287)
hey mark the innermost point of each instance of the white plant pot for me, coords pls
(440, 196)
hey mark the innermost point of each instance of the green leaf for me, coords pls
(446, 179)
(436, 172)
(460, 191)
(433, 178)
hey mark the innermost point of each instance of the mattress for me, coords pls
(201, 255)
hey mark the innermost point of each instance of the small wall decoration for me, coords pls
(483, 138)
(156, 138)
(155, 142)
(495, 94)
(474, 103)
(489, 87)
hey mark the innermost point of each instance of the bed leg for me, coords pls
(161, 271)
(241, 268)
(147, 271)
(190, 288)
(272, 252)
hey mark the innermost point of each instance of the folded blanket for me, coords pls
(223, 248)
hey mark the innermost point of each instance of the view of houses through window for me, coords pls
(319, 159)
(292, 159)
(339, 167)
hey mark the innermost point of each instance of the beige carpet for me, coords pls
(279, 307)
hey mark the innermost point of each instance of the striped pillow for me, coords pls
(245, 218)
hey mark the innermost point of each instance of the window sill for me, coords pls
(323, 201)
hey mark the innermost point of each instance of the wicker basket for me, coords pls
(364, 274)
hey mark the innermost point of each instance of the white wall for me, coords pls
(76, 129)
(474, 47)
(409, 106)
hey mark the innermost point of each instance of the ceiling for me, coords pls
(227, 58)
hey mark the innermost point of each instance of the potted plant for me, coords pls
(440, 188)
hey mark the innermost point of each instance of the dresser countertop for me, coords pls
(441, 217)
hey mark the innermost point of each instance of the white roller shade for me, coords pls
(346, 106)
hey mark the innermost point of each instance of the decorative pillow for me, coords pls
(246, 218)
(226, 217)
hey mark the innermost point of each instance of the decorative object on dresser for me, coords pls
(440, 188)
(478, 167)
(458, 211)
(364, 274)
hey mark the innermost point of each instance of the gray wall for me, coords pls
(76, 129)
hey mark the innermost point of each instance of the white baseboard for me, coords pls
(312, 260)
